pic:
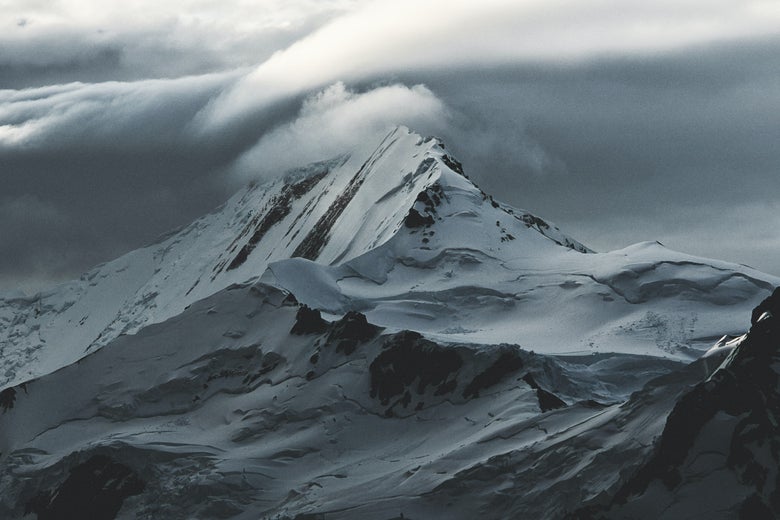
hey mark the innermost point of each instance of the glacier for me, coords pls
(370, 336)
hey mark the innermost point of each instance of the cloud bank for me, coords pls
(622, 123)
(58, 41)
(338, 119)
(383, 37)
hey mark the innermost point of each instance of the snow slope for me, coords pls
(481, 272)
(398, 231)
(504, 369)
(329, 212)
(242, 407)
(720, 441)
(222, 412)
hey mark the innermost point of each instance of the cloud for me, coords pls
(337, 119)
(126, 120)
(138, 114)
(383, 37)
(686, 127)
(304, 45)
(30, 268)
(494, 137)
(352, 41)
(61, 41)
(90, 171)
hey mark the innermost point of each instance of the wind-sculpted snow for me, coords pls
(721, 435)
(222, 412)
(375, 337)
(399, 232)
(317, 238)
(279, 207)
(458, 281)
(333, 211)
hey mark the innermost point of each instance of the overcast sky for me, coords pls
(619, 121)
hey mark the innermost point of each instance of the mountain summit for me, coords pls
(395, 229)
(330, 212)
(373, 336)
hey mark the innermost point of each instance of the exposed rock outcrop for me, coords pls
(720, 449)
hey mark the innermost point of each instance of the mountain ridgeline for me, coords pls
(373, 336)
(328, 212)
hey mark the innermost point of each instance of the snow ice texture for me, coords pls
(373, 336)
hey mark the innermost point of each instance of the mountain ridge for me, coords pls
(397, 230)
(261, 223)
(431, 353)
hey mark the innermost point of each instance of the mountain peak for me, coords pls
(402, 208)
(330, 211)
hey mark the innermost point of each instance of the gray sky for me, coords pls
(655, 121)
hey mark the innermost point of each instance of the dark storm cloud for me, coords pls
(619, 126)
(62, 41)
(95, 65)
(679, 148)
(27, 216)
(91, 171)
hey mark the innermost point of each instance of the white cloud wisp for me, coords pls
(337, 119)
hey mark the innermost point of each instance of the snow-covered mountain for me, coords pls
(398, 231)
(721, 441)
(329, 212)
(474, 360)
